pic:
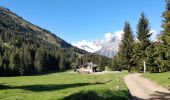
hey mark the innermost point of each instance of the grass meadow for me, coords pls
(64, 86)
(160, 78)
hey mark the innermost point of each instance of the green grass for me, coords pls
(64, 86)
(160, 78)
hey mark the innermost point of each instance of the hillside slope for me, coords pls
(11, 21)
(27, 48)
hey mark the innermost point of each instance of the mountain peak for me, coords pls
(108, 46)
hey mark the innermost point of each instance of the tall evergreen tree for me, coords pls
(62, 63)
(1, 63)
(1, 66)
(143, 31)
(143, 35)
(115, 64)
(126, 47)
(27, 58)
(165, 37)
(152, 54)
(5, 60)
(39, 62)
(166, 24)
(15, 62)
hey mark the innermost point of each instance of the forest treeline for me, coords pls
(134, 52)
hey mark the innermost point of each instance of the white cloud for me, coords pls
(154, 34)
(152, 31)
(108, 36)
(119, 34)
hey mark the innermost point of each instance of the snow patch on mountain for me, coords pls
(88, 46)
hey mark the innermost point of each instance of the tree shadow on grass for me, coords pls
(2, 86)
(31, 74)
(48, 87)
(160, 96)
(104, 95)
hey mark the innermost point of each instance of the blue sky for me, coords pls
(89, 20)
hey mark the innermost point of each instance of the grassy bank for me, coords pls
(64, 86)
(160, 78)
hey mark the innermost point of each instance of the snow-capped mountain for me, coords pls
(88, 46)
(110, 44)
(107, 47)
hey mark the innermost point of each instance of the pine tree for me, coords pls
(115, 64)
(143, 35)
(62, 63)
(1, 65)
(15, 62)
(5, 60)
(39, 62)
(143, 31)
(27, 59)
(166, 24)
(152, 54)
(126, 47)
(165, 37)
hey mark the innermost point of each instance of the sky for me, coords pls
(76, 20)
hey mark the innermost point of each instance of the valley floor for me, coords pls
(64, 86)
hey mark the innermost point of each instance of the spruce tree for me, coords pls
(165, 38)
(27, 59)
(14, 61)
(62, 63)
(5, 60)
(126, 47)
(143, 31)
(1, 63)
(166, 24)
(143, 35)
(152, 54)
(1, 66)
(39, 62)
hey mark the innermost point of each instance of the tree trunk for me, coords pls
(129, 68)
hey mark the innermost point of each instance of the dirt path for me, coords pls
(144, 89)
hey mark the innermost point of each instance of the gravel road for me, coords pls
(143, 89)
